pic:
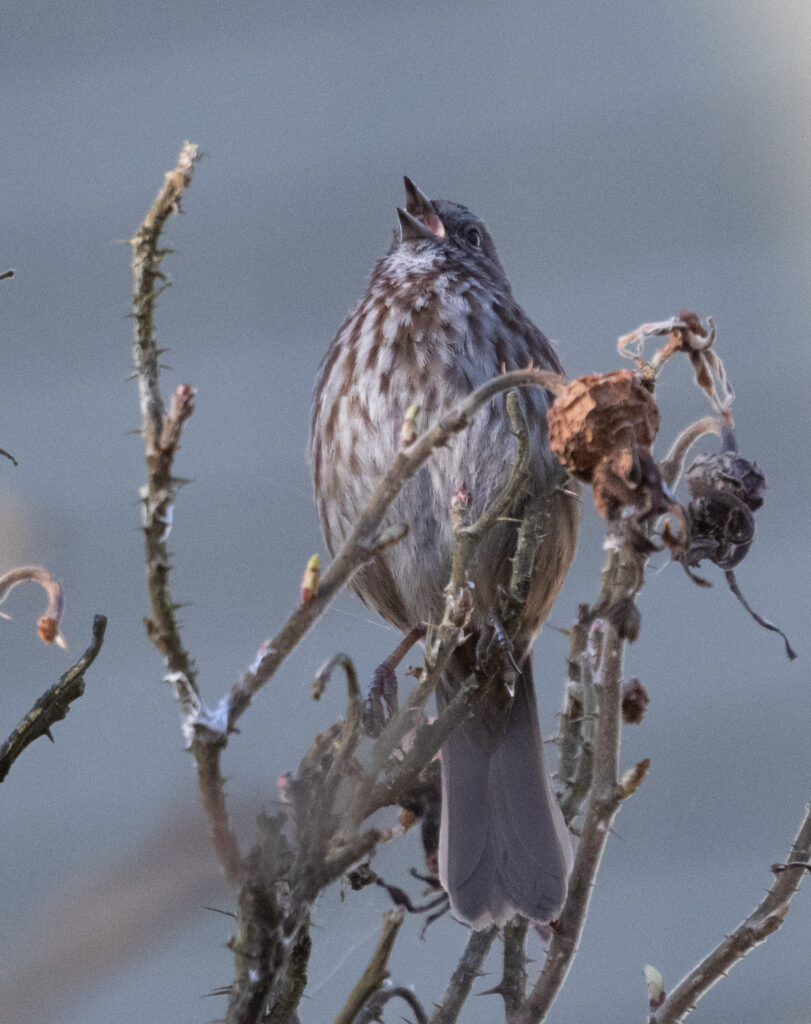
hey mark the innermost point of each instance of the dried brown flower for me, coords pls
(598, 414)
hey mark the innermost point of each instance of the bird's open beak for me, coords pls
(419, 219)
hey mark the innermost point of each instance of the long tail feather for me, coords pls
(504, 847)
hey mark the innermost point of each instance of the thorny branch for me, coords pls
(467, 970)
(579, 718)
(469, 536)
(54, 704)
(161, 432)
(513, 987)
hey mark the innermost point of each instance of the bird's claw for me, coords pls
(496, 637)
(381, 702)
(502, 639)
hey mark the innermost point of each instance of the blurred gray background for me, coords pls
(631, 160)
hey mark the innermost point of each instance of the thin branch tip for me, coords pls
(54, 704)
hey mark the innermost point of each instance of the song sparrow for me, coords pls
(438, 319)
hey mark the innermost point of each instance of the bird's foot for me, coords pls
(504, 642)
(495, 653)
(381, 702)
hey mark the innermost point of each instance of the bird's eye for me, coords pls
(473, 236)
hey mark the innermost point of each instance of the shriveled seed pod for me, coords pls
(729, 472)
(725, 490)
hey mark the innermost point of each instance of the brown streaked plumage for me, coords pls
(438, 319)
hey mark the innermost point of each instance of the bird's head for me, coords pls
(450, 226)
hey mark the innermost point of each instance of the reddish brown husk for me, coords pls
(598, 414)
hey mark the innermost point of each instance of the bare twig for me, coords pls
(467, 970)
(533, 528)
(468, 538)
(622, 579)
(578, 722)
(672, 465)
(54, 704)
(352, 727)
(427, 742)
(377, 969)
(161, 432)
(764, 920)
(212, 794)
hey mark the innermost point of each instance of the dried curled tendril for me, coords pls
(48, 622)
